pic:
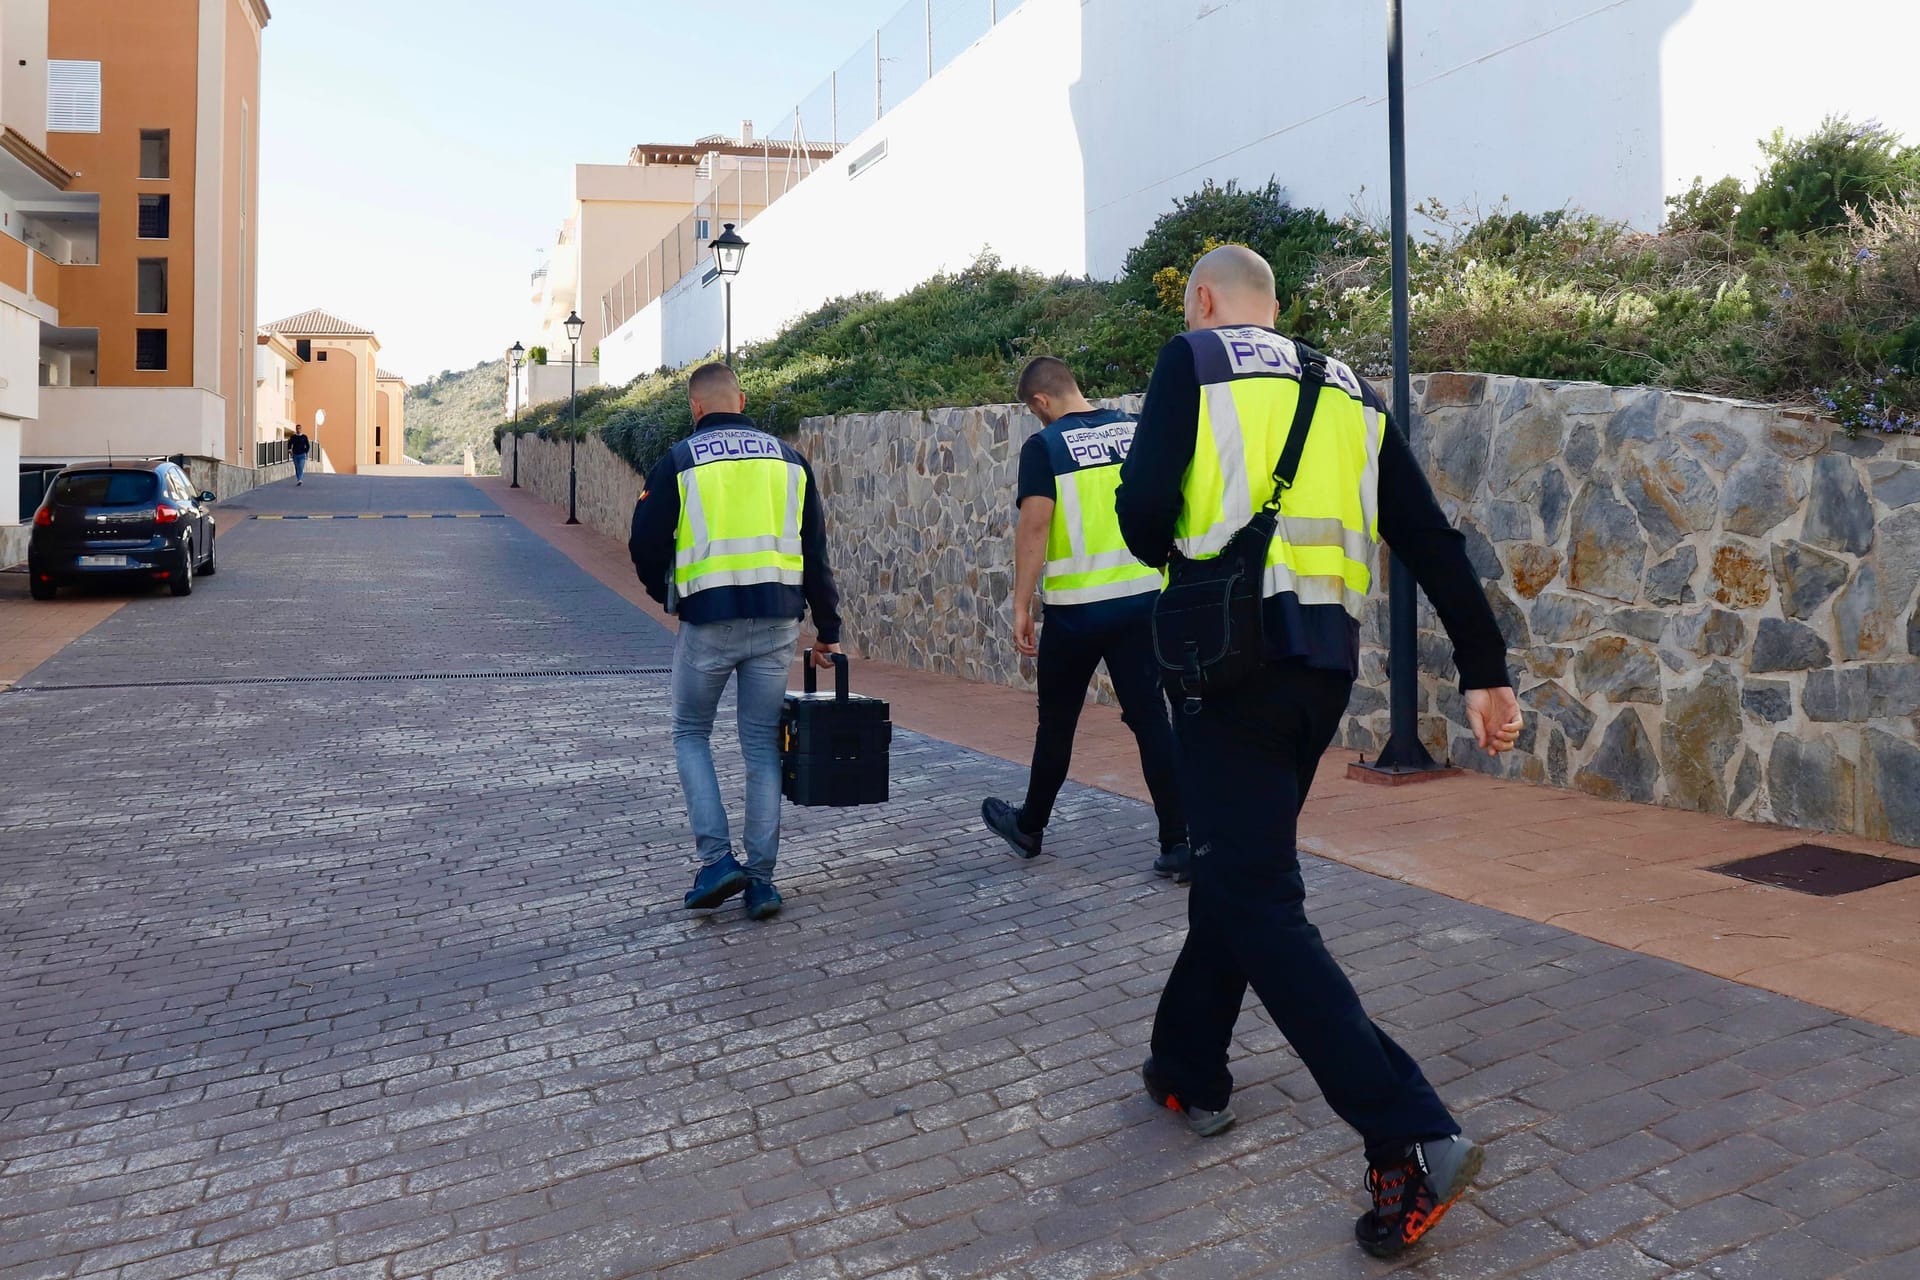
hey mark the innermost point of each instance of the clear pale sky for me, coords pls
(415, 154)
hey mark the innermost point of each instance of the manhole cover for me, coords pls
(1818, 870)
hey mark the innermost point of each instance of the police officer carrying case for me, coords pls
(833, 746)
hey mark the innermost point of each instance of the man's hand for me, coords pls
(1026, 638)
(821, 655)
(1494, 717)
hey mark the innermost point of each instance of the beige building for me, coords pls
(337, 375)
(390, 417)
(647, 219)
(142, 241)
(277, 364)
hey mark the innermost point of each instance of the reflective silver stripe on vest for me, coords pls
(1370, 476)
(742, 578)
(1122, 559)
(1069, 495)
(690, 509)
(1298, 531)
(786, 546)
(794, 476)
(1236, 496)
(1313, 590)
(1105, 591)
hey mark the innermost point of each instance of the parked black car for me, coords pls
(121, 520)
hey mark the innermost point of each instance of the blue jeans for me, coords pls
(760, 651)
(299, 466)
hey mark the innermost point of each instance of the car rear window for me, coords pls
(106, 488)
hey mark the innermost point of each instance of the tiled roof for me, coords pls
(317, 324)
(381, 375)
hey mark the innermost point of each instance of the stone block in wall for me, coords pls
(1554, 499)
(1619, 670)
(1741, 579)
(1890, 788)
(1811, 783)
(1759, 495)
(1626, 767)
(1716, 443)
(1699, 738)
(1796, 435)
(1525, 445)
(1534, 568)
(1768, 701)
(1554, 702)
(1562, 617)
(1608, 552)
(1895, 484)
(1673, 494)
(1788, 646)
(1839, 514)
(1636, 421)
(1807, 577)
(1453, 390)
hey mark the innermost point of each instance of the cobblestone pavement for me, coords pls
(389, 979)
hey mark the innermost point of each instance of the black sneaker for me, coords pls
(1175, 863)
(716, 883)
(1204, 1123)
(1411, 1195)
(1004, 821)
(763, 900)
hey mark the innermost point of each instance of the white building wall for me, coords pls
(82, 424)
(1059, 137)
(10, 512)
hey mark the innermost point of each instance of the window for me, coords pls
(153, 287)
(73, 96)
(702, 231)
(303, 347)
(376, 437)
(150, 349)
(156, 217)
(322, 354)
(156, 153)
(106, 488)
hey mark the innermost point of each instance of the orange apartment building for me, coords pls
(336, 373)
(129, 182)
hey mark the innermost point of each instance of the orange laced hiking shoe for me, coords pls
(1410, 1196)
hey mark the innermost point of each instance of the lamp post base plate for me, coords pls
(1397, 775)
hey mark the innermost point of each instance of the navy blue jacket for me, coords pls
(656, 524)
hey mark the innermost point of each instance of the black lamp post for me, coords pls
(729, 251)
(574, 327)
(515, 356)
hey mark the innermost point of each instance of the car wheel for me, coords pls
(208, 569)
(40, 590)
(181, 584)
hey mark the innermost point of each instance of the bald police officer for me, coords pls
(1218, 413)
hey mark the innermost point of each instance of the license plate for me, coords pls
(103, 562)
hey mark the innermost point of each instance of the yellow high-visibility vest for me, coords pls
(1330, 519)
(1087, 559)
(740, 503)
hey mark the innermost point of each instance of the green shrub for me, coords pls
(536, 355)
(1293, 240)
(1811, 184)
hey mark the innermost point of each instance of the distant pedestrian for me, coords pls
(729, 534)
(1099, 608)
(1241, 420)
(297, 449)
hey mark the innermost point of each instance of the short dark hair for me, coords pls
(713, 378)
(1046, 375)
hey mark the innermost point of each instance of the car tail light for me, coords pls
(43, 517)
(165, 514)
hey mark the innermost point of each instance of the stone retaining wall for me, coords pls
(1710, 604)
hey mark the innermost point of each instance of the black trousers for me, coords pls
(1071, 646)
(1246, 762)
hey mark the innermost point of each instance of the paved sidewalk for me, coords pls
(1630, 875)
(389, 979)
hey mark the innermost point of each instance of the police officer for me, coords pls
(1217, 414)
(728, 534)
(1099, 608)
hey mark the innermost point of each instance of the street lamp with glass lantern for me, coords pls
(575, 325)
(729, 251)
(516, 355)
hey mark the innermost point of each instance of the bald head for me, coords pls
(1231, 285)
(713, 388)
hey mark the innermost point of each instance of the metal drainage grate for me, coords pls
(1818, 870)
(576, 673)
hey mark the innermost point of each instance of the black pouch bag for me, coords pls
(1209, 633)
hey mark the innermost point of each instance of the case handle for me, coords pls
(839, 676)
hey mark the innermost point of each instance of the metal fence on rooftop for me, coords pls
(906, 51)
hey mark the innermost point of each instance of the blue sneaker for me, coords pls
(716, 883)
(763, 900)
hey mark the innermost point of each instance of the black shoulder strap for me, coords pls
(1313, 376)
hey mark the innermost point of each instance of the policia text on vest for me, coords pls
(729, 534)
(1219, 411)
(1099, 608)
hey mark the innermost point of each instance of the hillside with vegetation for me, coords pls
(1800, 287)
(456, 411)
